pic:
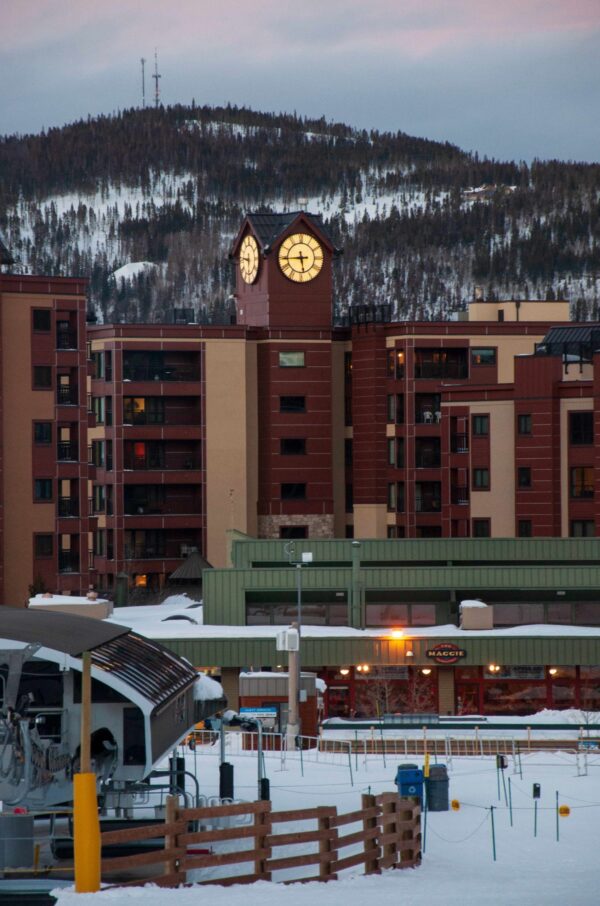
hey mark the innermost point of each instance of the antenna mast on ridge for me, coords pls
(156, 77)
(143, 62)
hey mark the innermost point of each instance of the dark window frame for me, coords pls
(524, 424)
(46, 321)
(40, 484)
(480, 425)
(299, 407)
(293, 490)
(40, 371)
(43, 546)
(524, 477)
(290, 443)
(42, 438)
(480, 479)
(583, 434)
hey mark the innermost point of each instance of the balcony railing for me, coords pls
(428, 503)
(147, 373)
(459, 443)
(66, 451)
(143, 552)
(167, 463)
(428, 459)
(67, 507)
(68, 562)
(426, 416)
(66, 339)
(66, 396)
(432, 370)
(459, 496)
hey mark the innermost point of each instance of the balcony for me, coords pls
(68, 507)
(428, 503)
(66, 395)
(427, 459)
(459, 443)
(66, 339)
(66, 451)
(68, 562)
(146, 373)
(459, 496)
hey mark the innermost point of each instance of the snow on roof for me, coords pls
(469, 604)
(47, 598)
(150, 621)
(207, 689)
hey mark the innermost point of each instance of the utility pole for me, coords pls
(156, 77)
(143, 62)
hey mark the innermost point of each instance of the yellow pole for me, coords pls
(86, 823)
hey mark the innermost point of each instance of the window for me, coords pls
(42, 377)
(582, 481)
(395, 408)
(581, 427)
(293, 491)
(524, 477)
(291, 360)
(42, 489)
(481, 528)
(524, 424)
(42, 432)
(293, 531)
(524, 528)
(391, 451)
(582, 528)
(348, 451)
(292, 446)
(395, 363)
(292, 404)
(42, 319)
(481, 425)
(43, 546)
(481, 479)
(391, 496)
(485, 355)
(349, 497)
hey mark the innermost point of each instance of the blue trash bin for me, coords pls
(409, 780)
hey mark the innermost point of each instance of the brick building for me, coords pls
(280, 425)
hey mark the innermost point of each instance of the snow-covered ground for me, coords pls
(458, 862)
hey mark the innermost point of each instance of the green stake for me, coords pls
(510, 802)
(493, 832)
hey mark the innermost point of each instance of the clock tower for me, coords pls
(284, 271)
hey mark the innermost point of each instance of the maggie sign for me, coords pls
(446, 653)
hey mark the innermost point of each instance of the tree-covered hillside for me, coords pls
(166, 189)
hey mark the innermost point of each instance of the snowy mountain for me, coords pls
(145, 203)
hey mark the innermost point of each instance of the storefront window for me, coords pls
(387, 614)
(589, 688)
(587, 613)
(562, 686)
(423, 615)
(512, 697)
(518, 614)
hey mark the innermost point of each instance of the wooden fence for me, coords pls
(190, 846)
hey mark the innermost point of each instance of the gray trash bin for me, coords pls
(436, 787)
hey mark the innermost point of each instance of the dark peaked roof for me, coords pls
(191, 568)
(5, 256)
(70, 633)
(268, 228)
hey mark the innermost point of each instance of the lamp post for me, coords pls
(294, 660)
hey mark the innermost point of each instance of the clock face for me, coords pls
(249, 258)
(300, 257)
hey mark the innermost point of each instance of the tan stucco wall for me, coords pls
(498, 504)
(526, 311)
(370, 520)
(21, 406)
(566, 406)
(231, 445)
